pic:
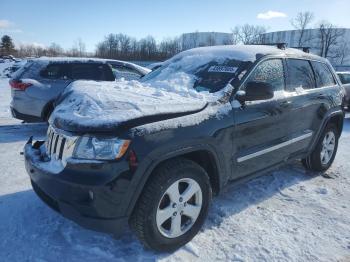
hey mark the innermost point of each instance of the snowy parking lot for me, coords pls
(287, 215)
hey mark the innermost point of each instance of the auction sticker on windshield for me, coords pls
(222, 69)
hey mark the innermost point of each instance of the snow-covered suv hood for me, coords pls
(89, 106)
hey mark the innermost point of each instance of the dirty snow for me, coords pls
(287, 215)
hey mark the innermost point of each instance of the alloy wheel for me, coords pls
(179, 208)
(328, 146)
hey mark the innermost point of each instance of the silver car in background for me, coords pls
(345, 80)
(36, 85)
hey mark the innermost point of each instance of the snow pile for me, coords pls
(4, 68)
(9, 67)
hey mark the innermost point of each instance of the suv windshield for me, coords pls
(208, 73)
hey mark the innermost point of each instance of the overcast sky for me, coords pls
(43, 22)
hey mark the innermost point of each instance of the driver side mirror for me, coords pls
(255, 91)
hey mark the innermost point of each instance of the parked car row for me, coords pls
(37, 84)
(153, 156)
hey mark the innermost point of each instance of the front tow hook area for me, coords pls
(36, 148)
(37, 144)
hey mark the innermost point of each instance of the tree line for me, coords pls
(328, 39)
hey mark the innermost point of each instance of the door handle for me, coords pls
(286, 103)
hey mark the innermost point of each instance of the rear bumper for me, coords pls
(25, 117)
(93, 205)
(25, 107)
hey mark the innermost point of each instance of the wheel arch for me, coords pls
(204, 156)
(335, 117)
(47, 110)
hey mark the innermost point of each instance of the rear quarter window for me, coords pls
(323, 75)
(121, 71)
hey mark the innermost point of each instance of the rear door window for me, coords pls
(54, 71)
(323, 75)
(91, 71)
(300, 74)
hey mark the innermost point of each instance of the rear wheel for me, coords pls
(173, 205)
(325, 151)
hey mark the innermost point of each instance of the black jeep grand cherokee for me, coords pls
(279, 105)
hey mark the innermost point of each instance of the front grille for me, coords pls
(59, 146)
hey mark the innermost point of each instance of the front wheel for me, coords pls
(173, 205)
(324, 153)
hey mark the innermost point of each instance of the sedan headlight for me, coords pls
(100, 148)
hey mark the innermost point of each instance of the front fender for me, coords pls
(164, 153)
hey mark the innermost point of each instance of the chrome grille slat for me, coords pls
(59, 146)
(49, 141)
(55, 141)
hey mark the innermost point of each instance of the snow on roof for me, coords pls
(241, 52)
(45, 59)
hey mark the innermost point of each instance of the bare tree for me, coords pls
(342, 52)
(235, 35)
(80, 47)
(302, 22)
(248, 34)
(55, 50)
(211, 40)
(169, 47)
(329, 37)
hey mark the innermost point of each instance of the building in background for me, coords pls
(332, 43)
(197, 39)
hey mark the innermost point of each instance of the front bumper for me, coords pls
(82, 192)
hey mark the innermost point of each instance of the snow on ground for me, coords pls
(287, 215)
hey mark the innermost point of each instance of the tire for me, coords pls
(146, 220)
(316, 160)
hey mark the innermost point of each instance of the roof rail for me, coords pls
(278, 45)
(305, 49)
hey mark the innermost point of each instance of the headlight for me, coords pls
(100, 148)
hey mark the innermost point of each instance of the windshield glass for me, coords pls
(207, 72)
